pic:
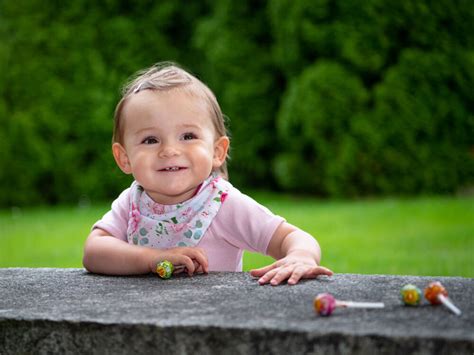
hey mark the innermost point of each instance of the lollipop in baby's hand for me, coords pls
(325, 304)
(164, 269)
(436, 294)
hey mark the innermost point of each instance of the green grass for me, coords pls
(417, 236)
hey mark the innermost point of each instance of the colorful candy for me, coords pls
(164, 269)
(325, 303)
(436, 294)
(411, 295)
(433, 292)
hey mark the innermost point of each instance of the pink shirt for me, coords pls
(241, 224)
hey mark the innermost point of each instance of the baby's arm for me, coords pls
(297, 253)
(104, 254)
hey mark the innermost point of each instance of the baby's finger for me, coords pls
(321, 270)
(263, 270)
(267, 277)
(183, 260)
(178, 269)
(315, 272)
(298, 273)
(199, 268)
(200, 257)
(201, 250)
(282, 274)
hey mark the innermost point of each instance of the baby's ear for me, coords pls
(121, 158)
(221, 146)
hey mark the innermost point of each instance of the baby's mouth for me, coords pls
(172, 168)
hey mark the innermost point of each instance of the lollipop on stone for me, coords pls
(411, 295)
(325, 304)
(436, 294)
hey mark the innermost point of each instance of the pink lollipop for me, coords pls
(436, 294)
(325, 304)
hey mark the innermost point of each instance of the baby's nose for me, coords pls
(168, 150)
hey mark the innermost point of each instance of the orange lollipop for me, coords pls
(436, 294)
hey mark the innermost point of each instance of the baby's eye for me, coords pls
(188, 136)
(150, 140)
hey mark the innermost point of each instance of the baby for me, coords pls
(169, 133)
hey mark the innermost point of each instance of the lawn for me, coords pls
(417, 236)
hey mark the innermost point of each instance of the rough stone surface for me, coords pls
(72, 311)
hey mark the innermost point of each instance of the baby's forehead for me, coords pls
(178, 96)
(178, 105)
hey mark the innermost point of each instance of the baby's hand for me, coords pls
(293, 267)
(191, 260)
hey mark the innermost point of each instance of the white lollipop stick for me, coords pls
(350, 304)
(179, 268)
(449, 305)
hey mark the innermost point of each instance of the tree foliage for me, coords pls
(334, 98)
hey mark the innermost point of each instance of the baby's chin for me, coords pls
(172, 197)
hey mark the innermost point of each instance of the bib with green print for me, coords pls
(165, 226)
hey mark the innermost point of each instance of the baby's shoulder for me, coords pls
(238, 203)
(123, 200)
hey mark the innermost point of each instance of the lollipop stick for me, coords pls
(179, 268)
(446, 302)
(351, 304)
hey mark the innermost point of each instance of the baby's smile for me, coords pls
(173, 168)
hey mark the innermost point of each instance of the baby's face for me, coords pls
(169, 144)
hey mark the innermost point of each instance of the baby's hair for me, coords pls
(167, 76)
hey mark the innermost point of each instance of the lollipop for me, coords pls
(436, 294)
(325, 303)
(164, 269)
(411, 295)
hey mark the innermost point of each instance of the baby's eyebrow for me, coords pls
(190, 125)
(142, 130)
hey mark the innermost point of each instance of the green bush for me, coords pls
(397, 117)
(238, 67)
(315, 125)
(424, 123)
(62, 69)
(336, 98)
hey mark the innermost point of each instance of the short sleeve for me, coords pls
(245, 223)
(115, 221)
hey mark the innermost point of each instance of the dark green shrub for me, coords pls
(235, 43)
(423, 114)
(336, 98)
(62, 68)
(413, 62)
(315, 127)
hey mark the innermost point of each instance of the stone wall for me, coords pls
(71, 311)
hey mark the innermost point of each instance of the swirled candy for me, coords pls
(436, 294)
(324, 304)
(411, 295)
(433, 292)
(164, 269)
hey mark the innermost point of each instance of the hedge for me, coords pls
(332, 98)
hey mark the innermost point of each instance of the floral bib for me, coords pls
(166, 226)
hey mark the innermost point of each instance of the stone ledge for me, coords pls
(72, 311)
